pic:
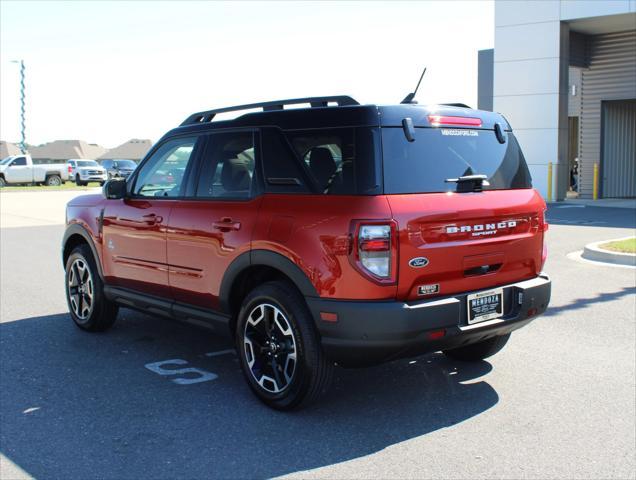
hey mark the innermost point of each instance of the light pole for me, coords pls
(22, 94)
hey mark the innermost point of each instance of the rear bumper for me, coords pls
(367, 333)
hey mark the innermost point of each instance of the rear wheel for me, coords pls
(478, 351)
(89, 308)
(3, 182)
(53, 181)
(279, 349)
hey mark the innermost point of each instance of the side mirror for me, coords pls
(114, 189)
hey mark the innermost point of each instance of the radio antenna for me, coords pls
(409, 98)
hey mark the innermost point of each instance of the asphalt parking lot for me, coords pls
(154, 399)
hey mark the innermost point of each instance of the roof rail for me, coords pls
(463, 105)
(208, 115)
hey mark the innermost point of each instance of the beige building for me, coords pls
(8, 149)
(133, 149)
(62, 150)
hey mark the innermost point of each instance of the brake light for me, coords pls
(374, 251)
(381, 245)
(437, 120)
(70, 169)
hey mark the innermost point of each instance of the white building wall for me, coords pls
(530, 76)
(526, 79)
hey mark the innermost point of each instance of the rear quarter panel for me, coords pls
(313, 231)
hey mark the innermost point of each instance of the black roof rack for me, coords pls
(208, 115)
(463, 105)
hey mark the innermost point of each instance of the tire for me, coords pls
(100, 313)
(478, 351)
(78, 182)
(289, 369)
(101, 184)
(3, 182)
(53, 181)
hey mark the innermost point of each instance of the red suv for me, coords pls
(337, 233)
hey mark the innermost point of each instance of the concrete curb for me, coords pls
(593, 252)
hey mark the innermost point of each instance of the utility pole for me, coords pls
(22, 95)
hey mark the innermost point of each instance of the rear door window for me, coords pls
(437, 154)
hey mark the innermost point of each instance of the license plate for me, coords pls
(484, 306)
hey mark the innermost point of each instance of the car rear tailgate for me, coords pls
(458, 242)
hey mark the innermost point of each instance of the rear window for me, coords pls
(422, 166)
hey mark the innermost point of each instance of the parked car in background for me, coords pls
(19, 169)
(83, 171)
(120, 168)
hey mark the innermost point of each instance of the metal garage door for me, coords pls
(618, 163)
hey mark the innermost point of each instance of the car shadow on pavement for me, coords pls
(80, 405)
(585, 302)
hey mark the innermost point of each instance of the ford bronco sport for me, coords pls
(336, 233)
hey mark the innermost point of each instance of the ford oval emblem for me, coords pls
(418, 262)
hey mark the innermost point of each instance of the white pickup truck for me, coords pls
(20, 169)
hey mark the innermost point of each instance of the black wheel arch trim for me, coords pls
(77, 229)
(265, 258)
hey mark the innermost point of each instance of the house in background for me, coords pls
(62, 150)
(563, 73)
(134, 149)
(8, 149)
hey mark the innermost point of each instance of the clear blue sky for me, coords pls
(108, 71)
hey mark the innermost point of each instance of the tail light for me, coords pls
(70, 169)
(375, 250)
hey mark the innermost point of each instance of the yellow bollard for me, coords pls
(595, 184)
(550, 182)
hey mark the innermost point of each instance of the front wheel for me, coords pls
(279, 349)
(478, 351)
(89, 308)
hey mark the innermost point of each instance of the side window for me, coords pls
(328, 156)
(282, 171)
(227, 166)
(162, 175)
(19, 162)
(342, 161)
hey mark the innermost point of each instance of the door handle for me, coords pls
(152, 219)
(226, 224)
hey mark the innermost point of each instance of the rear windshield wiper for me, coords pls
(469, 183)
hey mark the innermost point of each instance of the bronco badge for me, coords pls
(418, 262)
